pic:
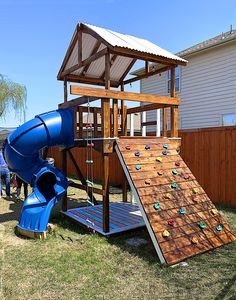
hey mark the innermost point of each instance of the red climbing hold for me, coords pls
(186, 176)
(171, 222)
(127, 147)
(177, 163)
(88, 126)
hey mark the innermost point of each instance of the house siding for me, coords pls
(207, 87)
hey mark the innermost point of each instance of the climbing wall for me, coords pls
(181, 219)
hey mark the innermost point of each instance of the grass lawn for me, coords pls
(74, 264)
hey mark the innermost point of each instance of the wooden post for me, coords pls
(115, 117)
(105, 133)
(123, 115)
(75, 121)
(174, 109)
(80, 122)
(164, 121)
(65, 91)
(95, 122)
(64, 169)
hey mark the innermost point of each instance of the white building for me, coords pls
(206, 86)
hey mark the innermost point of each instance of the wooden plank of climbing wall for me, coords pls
(188, 195)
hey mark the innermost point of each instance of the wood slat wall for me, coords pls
(210, 154)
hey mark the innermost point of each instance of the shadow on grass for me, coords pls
(226, 289)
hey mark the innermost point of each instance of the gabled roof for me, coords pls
(124, 51)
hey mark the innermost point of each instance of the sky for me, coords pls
(35, 34)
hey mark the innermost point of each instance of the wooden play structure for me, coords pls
(180, 218)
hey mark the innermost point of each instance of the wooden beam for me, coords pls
(107, 94)
(89, 80)
(80, 122)
(85, 62)
(147, 107)
(95, 49)
(80, 46)
(114, 57)
(150, 123)
(65, 92)
(81, 176)
(85, 188)
(164, 121)
(133, 61)
(115, 117)
(78, 101)
(146, 56)
(174, 109)
(146, 75)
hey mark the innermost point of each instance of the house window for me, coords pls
(229, 120)
(177, 76)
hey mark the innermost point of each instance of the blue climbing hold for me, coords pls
(219, 228)
(147, 147)
(137, 153)
(165, 146)
(182, 211)
(138, 167)
(202, 225)
(165, 152)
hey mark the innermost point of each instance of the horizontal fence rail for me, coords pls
(210, 154)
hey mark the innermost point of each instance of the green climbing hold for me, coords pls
(156, 206)
(165, 146)
(138, 167)
(174, 171)
(219, 228)
(174, 185)
(202, 225)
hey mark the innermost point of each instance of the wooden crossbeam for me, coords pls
(85, 62)
(77, 101)
(147, 107)
(89, 80)
(107, 94)
(148, 74)
(85, 188)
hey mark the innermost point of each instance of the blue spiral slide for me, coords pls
(21, 153)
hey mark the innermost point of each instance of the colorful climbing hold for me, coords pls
(182, 211)
(194, 240)
(165, 233)
(214, 211)
(219, 228)
(174, 171)
(90, 145)
(127, 147)
(167, 196)
(159, 159)
(147, 147)
(156, 206)
(138, 167)
(186, 176)
(160, 172)
(88, 126)
(202, 225)
(195, 190)
(137, 153)
(165, 152)
(177, 163)
(165, 146)
(171, 222)
(148, 181)
(174, 185)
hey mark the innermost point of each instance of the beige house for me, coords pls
(206, 86)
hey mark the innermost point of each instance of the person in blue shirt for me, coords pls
(4, 174)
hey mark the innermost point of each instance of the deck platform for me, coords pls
(123, 217)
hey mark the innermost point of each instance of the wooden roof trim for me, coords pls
(146, 56)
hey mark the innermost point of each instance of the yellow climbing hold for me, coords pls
(195, 190)
(194, 240)
(214, 211)
(159, 159)
(168, 196)
(165, 233)
(160, 172)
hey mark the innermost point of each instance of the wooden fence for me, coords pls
(210, 153)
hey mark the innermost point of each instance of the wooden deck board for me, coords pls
(151, 188)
